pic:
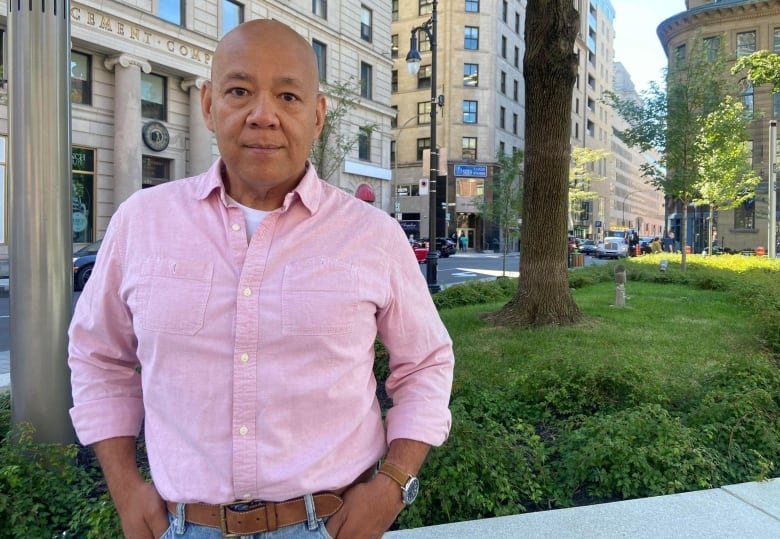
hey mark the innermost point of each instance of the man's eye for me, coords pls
(238, 92)
(289, 97)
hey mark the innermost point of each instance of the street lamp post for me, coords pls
(413, 61)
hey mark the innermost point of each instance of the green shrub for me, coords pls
(475, 293)
(492, 465)
(638, 452)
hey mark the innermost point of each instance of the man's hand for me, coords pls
(369, 510)
(142, 512)
(140, 507)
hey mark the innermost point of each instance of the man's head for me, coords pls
(264, 107)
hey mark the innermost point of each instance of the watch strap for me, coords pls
(395, 473)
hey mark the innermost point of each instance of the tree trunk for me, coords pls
(550, 69)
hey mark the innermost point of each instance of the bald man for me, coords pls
(233, 314)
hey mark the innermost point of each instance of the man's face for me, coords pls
(264, 106)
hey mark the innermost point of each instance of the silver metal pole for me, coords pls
(772, 184)
(40, 245)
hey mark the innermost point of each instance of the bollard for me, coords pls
(663, 265)
(620, 285)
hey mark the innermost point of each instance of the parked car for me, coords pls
(444, 246)
(613, 247)
(644, 245)
(420, 251)
(83, 261)
(589, 247)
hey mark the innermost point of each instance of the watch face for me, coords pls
(411, 490)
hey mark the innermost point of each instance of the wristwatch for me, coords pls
(410, 485)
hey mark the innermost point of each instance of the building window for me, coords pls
(712, 46)
(502, 118)
(504, 10)
(320, 8)
(746, 43)
(517, 23)
(154, 171)
(469, 148)
(590, 128)
(515, 90)
(80, 78)
(424, 113)
(502, 147)
(679, 55)
(394, 46)
(776, 41)
(364, 144)
(423, 42)
(394, 117)
(470, 115)
(424, 7)
(745, 215)
(366, 80)
(591, 82)
(471, 39)
(394, 9)
(514, 124)
(424, 77)
(153, 96)
(393, 150)
(232, 15)
(503, 47)
(321, 52)
(422, 145)
(517, 57)
(394, 81)
(171, 11)
(472, 6)
(471, 75)
(83, 194)
(776, 105)
(502, 83)
(366, 23)
(747, 99)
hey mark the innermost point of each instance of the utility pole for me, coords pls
(40, 246)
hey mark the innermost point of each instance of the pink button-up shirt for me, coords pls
(250, 364)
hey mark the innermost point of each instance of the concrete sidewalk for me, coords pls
(744, 511)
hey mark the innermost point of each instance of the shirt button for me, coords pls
(243, 431)
(244, 358)
(247, 292)
(236, 227)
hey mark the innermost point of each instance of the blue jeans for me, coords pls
(314, 528)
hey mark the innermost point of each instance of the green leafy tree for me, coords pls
(335, 142)
(549, 69)
(761, 67)
(670, 121)
(726, 178)
(581, 176)
(504, 206)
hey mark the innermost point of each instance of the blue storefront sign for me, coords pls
(471, 171)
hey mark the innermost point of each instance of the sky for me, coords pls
(636, 43)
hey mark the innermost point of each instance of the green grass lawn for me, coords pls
(679, 390)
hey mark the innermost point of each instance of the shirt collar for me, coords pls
(307, 190)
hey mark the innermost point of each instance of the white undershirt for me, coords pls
(252, 217)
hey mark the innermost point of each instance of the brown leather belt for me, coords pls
(239, 518)
(246, 518)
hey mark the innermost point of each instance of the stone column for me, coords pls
(127, 123)
(200, 156)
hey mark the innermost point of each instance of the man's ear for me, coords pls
(322, 107)
(205, 104)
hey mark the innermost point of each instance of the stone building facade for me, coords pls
(137, 70)
(743, 27)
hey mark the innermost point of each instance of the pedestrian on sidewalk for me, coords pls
(227, 315)
(464, 243)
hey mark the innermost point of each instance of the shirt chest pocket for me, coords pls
(319, 297)
(173, 295)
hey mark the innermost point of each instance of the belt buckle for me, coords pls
(223, 507)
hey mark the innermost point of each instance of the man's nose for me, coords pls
(263, 111)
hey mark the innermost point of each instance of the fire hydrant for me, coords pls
(620, 286)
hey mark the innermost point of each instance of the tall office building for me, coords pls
(137, 70)
(479, 74)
